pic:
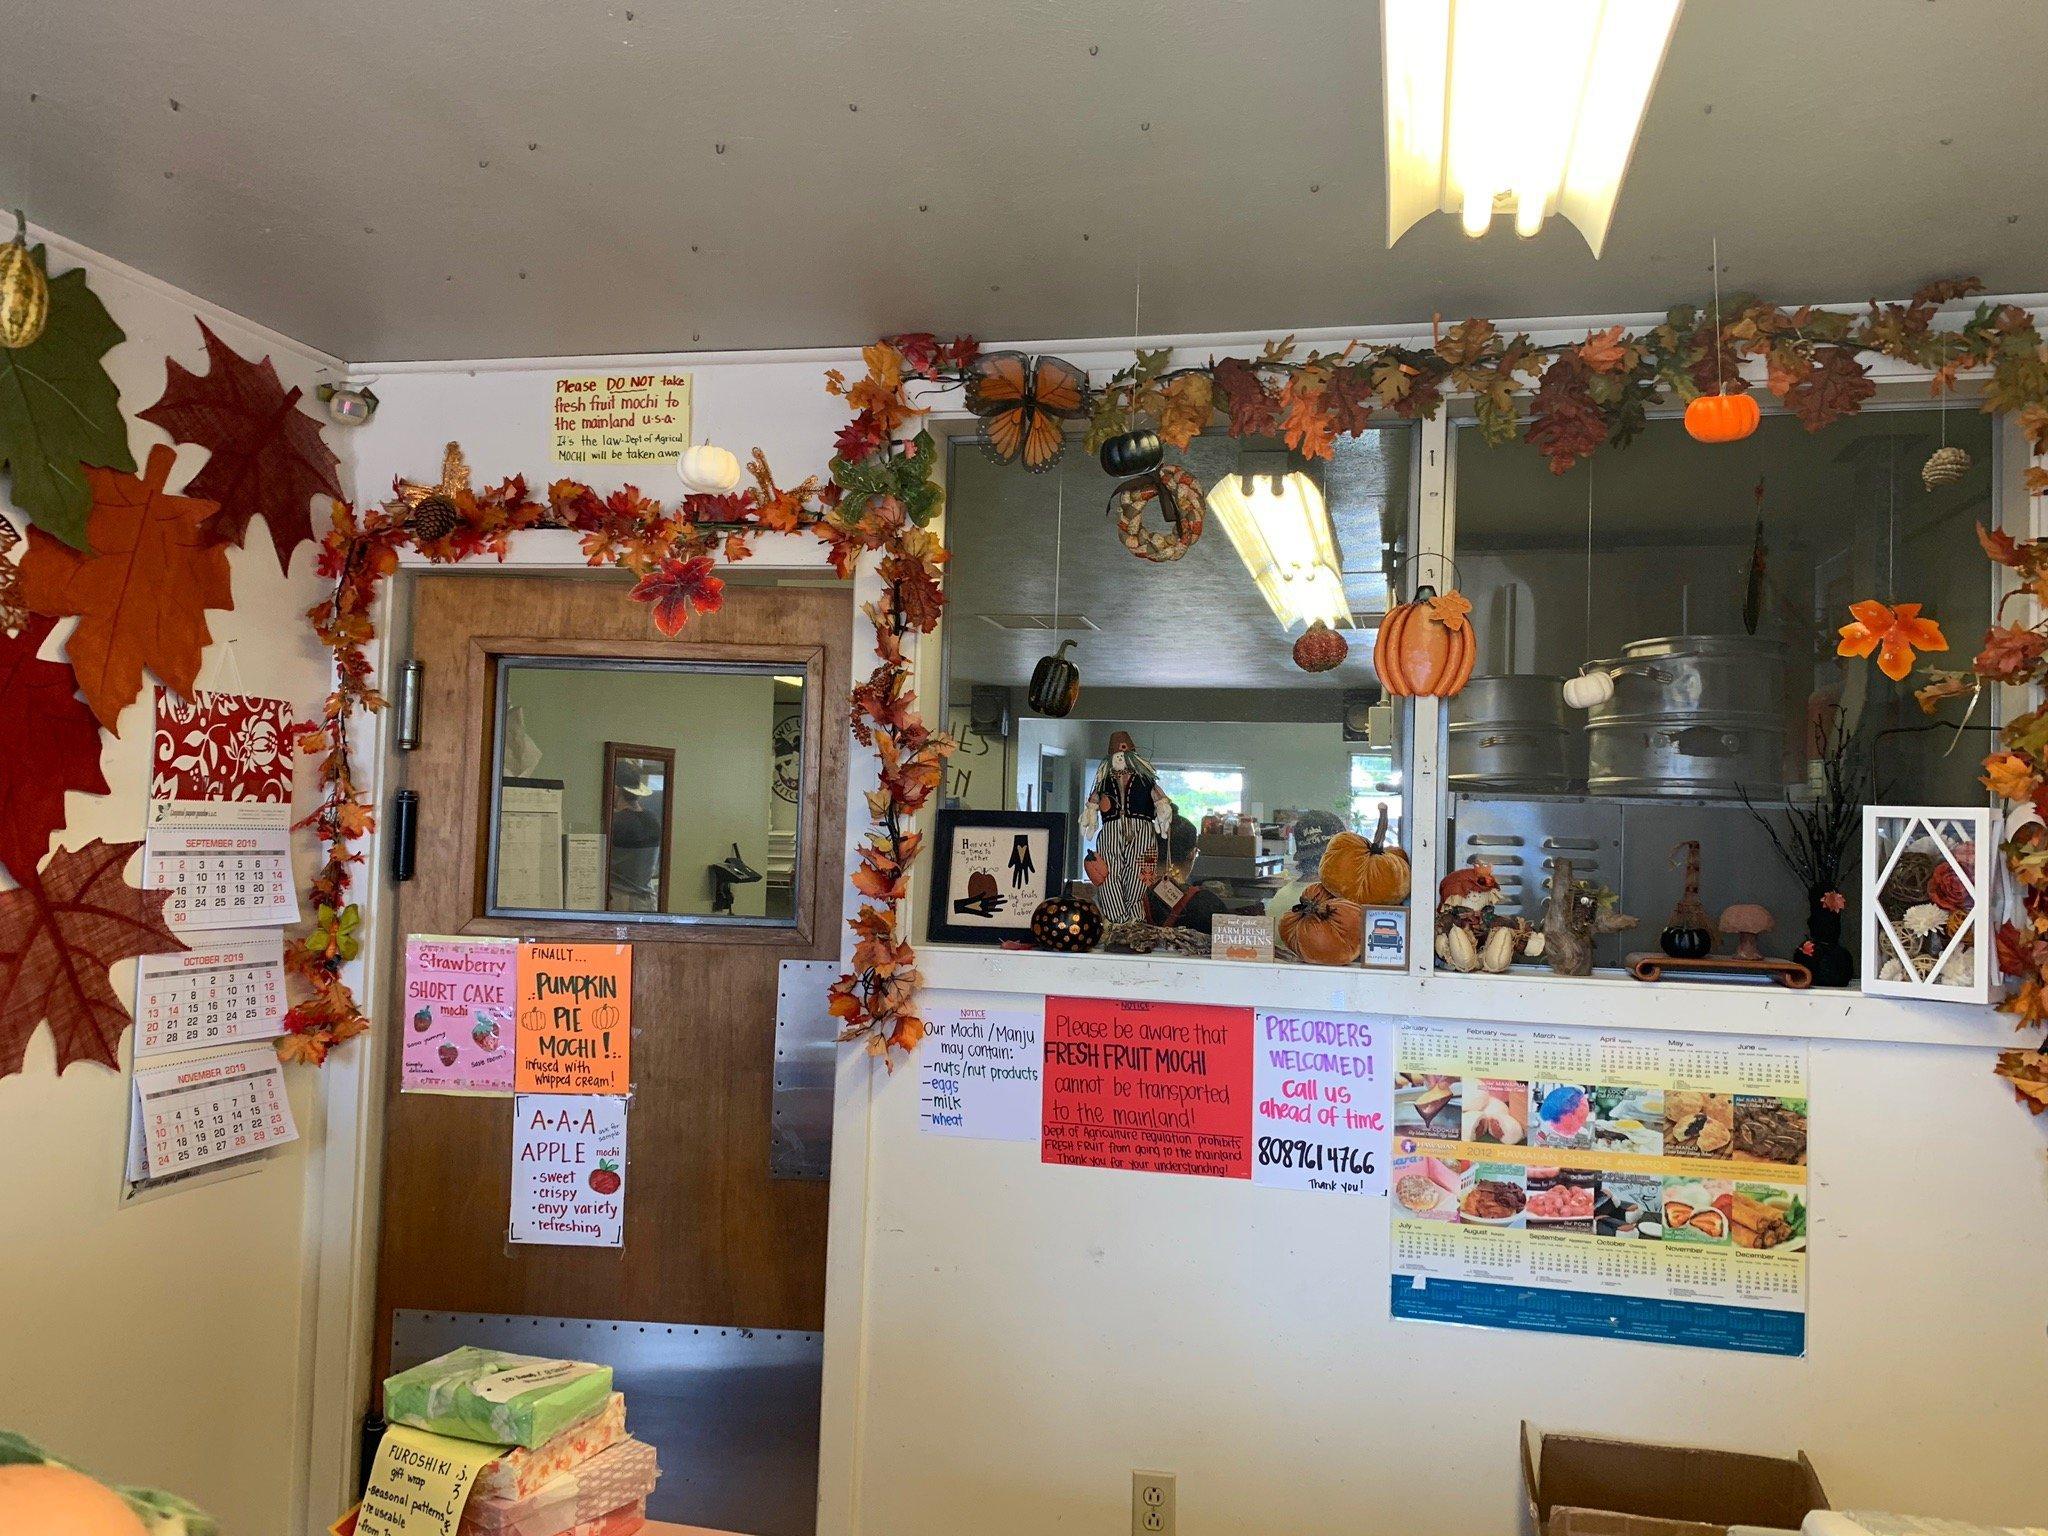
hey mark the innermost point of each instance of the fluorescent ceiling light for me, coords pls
(1517, 106)
(1281, 531)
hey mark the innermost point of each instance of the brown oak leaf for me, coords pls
(2009, 653)
(1253, 411)
(268, 459)
(141, 596)
(59, 932)
(1832, 385)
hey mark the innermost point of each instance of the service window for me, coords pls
(1191, 657)
(1698, 592)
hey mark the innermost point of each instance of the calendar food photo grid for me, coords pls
(1627, 1185)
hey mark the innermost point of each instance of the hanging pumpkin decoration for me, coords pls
(1323, 928)
(708, 469)
(1055, 683)
(1132, 453)
(1320, 648)
(1368, 872)
(1722, 418)
(1426, 646)
(1179, 495)
(24, 291)
(1071, 924)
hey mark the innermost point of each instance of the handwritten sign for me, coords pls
(1322, 1100)
(419, 1483)
(1155, 1087)
(569, 1170)
(458, 1015)
(575, 1018)
(980, 1065)
(622, 418)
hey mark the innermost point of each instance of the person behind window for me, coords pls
(1312, 833)
(635, 843)
(1174, 900)
(1127, 811)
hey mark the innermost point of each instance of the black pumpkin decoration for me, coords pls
(1132, 453)
(1055, 683)
(1686, 943)
(1069, 923)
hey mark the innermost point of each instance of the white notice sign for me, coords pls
(1322, 1100)
(980, 1064)
(569, 1169)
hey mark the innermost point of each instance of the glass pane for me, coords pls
(646, 791)
(1190, 657)
(1713, 614)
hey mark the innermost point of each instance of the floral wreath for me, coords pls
(881, 496)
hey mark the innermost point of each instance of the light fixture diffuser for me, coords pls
(1280, 529)
(1514, 106)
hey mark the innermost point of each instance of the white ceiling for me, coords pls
(392, 179)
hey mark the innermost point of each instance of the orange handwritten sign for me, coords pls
(575, 1013)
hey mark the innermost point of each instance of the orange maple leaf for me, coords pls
(1894, 632)
(2008, 774)
(1451, 609)
(141, 594)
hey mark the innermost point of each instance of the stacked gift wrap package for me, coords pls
(568, 1467)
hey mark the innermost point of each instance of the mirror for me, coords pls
(646, 791)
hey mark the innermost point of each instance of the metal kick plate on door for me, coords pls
(732, 1413)
(806, 1052)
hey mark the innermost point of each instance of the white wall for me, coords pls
(1005, 1341)
(168, 1342)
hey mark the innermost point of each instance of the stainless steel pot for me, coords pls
(1692, 715)
(1514, 733)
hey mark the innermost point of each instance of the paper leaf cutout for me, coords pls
(268, 457)
(141, 595)
(53, 745)
(59, 411)
(59, 933)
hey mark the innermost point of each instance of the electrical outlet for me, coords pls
(1152, 1504)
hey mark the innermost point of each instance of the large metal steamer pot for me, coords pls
(1513, 733)
(1691, 715)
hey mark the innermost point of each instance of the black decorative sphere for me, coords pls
(1686, 943)
(1069, 923)
(1132, 453)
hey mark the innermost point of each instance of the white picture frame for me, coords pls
(1896, 961)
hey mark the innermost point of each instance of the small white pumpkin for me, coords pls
(708, 469)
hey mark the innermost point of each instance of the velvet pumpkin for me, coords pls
(1320, 648)
(1426, 646)
(1367, 872)
(1323, 929)
(1722, 418)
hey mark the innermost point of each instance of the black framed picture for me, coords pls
(990, 870)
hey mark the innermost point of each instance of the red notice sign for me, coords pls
(1155, 1087)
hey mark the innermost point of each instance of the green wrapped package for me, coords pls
(495, 1397)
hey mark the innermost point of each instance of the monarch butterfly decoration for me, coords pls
(1022, 401)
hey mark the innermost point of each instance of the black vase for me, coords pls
(1824, 953)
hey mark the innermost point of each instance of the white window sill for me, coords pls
(1608, 1001)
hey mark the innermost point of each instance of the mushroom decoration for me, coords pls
(1746, 922)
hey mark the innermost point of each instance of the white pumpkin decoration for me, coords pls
(708, 469)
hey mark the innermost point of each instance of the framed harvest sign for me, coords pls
(991, 871)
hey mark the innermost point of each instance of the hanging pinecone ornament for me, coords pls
(1944, 466)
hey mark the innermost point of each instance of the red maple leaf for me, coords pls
(860, 437)
(675, 587)
(54, 746)
(141, 596)
(59, 933)
(268, 459)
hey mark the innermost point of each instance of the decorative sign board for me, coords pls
(1634, 1186)
(458, 1014)
(419, 1483)
(621, 418)
(575, 1031)
(569, 1170)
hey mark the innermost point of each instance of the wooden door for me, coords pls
(710, 1238)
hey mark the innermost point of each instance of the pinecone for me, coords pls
(1944, 466)
(434, 519)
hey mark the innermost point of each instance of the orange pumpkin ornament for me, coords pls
(1370, 873)
(1721, 418)
(1426, 647)
(1323, 929)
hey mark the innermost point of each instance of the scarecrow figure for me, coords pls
(1127, 812)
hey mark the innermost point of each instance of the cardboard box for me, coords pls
(1577, 1485)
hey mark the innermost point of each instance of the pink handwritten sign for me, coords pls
(457, 1023)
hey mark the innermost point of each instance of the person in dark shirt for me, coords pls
(1174, 900)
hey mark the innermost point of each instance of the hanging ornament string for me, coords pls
(1059, 531)
(1720, 387)
(1588, 652)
